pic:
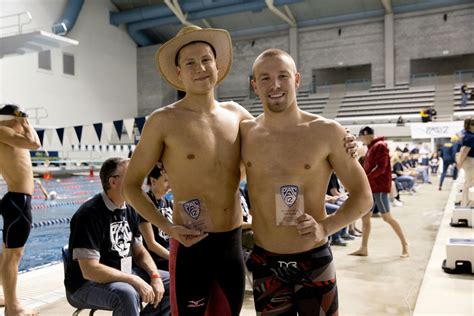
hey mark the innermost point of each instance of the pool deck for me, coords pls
(380, 284)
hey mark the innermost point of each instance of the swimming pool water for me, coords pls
(50, 218)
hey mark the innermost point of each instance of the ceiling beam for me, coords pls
(288, 19)
(206, 23)
(387, 4)
(173, 5)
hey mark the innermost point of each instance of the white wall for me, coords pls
(105, 85)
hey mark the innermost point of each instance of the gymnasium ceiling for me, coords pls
(151, 22)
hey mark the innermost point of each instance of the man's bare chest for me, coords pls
(283, 153)
(204, 137)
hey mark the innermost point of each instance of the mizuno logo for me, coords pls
(197, 303)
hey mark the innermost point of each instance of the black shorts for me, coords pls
(303, 283)
(16, 211)
(208, 276)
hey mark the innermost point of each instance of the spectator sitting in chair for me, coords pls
(410, 162)
(427, 114)
(104, 239)
(403, 179)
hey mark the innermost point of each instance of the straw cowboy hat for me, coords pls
(218, 38)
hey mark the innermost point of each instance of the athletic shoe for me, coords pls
(346, 236)
(397, 203)
(338, 242)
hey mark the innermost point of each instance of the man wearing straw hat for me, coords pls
(197, 138)
(17, 137)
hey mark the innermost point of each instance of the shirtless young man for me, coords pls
(198, 140)
(16, 138)
(289, 154)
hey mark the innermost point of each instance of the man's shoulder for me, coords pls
(380, 145)
(230, 105)
(322, 125)
(6, 133)
(90, 208)
(163, 112)
(248, 124)
(236, 109)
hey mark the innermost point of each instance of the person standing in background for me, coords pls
(465, 160)
(17, 137)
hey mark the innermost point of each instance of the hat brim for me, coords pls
(218, 38)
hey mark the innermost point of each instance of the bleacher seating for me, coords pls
(385, 105)
(468, 110)
(308, 102)
(376, 105)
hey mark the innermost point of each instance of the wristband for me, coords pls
(155, 275)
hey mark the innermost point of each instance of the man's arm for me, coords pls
(95, 271)
(355, 182)
(148, 152)
(142, 258)
(28, 139)
(145, 261)
(148, 235)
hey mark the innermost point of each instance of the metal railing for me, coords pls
(358, 84)
(323, 87)
(16, 21)
(423, 79)
(464, 75)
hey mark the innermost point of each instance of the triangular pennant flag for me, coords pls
(70, 135)
(78, 130)
(128, 123)
(98, 130)
(49, 136)
(139, 122)
(60, 132)
(107, 132)
(89, 135)
(118, 128)
(40, 136)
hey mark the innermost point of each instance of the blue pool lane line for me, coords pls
(51, 222)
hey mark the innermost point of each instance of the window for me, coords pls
(68, 64)
(44, 60)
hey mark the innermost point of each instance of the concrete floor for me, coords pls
(380, 284)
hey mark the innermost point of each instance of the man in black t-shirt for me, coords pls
(104, 239)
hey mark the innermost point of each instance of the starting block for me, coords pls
(458, 198)
(462, 216)
(459, 256)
